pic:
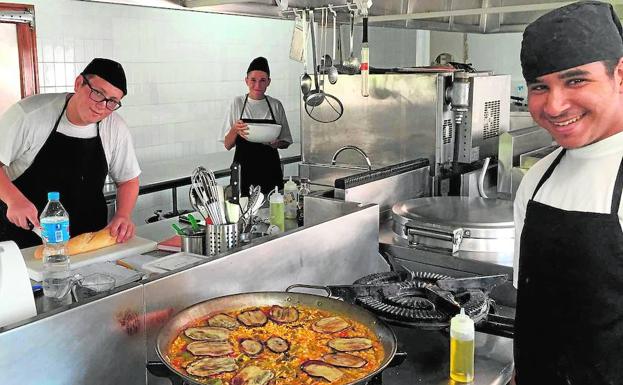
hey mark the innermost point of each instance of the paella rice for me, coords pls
(304, 345)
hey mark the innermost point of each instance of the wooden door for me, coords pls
(18, 54)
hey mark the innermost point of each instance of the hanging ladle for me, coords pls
(315, 96)
(306, 81)
(352, 63)
(332, 71)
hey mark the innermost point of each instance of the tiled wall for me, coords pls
(183, 69)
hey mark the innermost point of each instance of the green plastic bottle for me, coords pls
(277, 210)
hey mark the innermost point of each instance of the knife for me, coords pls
(36, 230)
(234, 183)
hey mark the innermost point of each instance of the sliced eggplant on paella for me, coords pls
(317, 368)
(351, 344)
(252, 375)
(254, 317)
(251, 347)
(210, 366)
(283, 315)
(207, 333)
(344, 360)
(210, 348)
(277, 344)
(330, 325)
(223, 321)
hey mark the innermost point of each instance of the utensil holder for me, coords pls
(220, 238)
(194, 242)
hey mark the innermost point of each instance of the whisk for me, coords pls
(254, 197)
(205, 196)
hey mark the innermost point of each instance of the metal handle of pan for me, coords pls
(317, 287)
(434, 235)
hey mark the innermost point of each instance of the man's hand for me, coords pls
(240, 128)
(121, 227)
(21, 211)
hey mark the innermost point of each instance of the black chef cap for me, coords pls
(571, 36)
(259, 64)
(109, 70)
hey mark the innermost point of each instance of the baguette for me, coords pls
(85, 242)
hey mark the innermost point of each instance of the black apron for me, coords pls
(74, 167)
(569, 325)
(259, 163)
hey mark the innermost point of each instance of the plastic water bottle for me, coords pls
(277, 217)
(290, 198)
(304, 189)
(462, 348)
(55, 230)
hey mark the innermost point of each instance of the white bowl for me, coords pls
(263, 132)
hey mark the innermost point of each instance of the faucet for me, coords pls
(354, 148)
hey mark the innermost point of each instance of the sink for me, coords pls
(326, 174)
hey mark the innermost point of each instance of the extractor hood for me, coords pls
(472, 16)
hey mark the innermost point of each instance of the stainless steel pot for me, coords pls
(258, 299)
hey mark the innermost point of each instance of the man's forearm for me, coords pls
(8, 191)
(229, 140)
(127, 192)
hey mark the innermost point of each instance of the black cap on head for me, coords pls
(259, 64)
(109, 70)
(576, 34)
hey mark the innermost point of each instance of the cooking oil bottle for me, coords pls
(462, 348)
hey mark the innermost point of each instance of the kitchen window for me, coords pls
(18, 54)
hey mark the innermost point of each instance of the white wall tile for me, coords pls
(183, 68)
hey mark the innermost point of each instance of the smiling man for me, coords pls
(68, 143)
(568, 216)
(259, 162)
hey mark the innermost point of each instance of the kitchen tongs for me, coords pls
(455, 285)
(484, 283)
(441, 299)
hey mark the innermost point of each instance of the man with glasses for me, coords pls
(68, 143)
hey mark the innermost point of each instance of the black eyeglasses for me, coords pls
(97, 96)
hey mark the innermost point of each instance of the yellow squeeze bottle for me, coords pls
(462, 348)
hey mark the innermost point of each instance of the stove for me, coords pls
(418, 315)
(415, 305)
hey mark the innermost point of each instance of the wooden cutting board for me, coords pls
(134, 246)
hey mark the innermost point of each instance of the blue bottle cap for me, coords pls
(53, 196)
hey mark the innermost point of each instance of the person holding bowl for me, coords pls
(259, 162)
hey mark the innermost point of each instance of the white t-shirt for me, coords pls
(583, 181)
(257, 109)
(26, 126)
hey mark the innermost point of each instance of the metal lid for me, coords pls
(480, 217)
